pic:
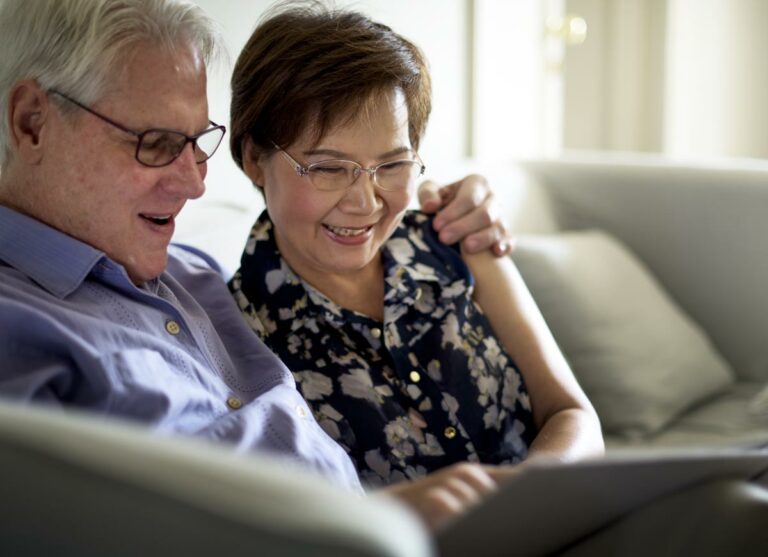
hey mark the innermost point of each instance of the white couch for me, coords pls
(77, 486)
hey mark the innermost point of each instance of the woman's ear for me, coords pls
(252, 163)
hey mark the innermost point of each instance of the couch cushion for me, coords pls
(639, 358)
(733, 418)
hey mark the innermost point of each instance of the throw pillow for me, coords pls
(641, 360)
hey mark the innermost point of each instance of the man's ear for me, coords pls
(28, 111)
(252, 163)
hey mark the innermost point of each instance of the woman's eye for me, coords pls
(394, 167)
(329, 170)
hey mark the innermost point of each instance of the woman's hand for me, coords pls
(447, 493)
(466, 212)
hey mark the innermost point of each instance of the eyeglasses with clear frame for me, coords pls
(338, 174)
(158, 147)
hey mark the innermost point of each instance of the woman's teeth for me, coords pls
(339, 231)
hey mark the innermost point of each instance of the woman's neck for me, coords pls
(361, 291)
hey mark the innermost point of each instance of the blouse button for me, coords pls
(450, 432)
(376, 332)
(234, 403)
(415, 376)
(172, 327)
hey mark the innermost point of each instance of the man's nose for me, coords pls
(188, 176)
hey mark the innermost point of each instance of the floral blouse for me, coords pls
(428, 387)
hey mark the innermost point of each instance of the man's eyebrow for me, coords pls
(209, 124)
(207, 127)
(342, 155)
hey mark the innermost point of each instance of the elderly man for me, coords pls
(104, 137)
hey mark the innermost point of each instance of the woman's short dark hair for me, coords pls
(310, 65)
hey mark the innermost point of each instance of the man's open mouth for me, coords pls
(161, 220)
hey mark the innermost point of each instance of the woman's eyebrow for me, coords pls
(342, 155)
(328, 152)
(398, 151)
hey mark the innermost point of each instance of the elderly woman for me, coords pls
(412, 358)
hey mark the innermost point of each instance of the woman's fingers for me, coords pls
(447, 493)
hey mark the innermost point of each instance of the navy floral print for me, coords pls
(428, 387)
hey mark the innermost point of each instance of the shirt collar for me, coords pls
(57, 262)
(414, 254)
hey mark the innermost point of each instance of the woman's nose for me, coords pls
(361, 196)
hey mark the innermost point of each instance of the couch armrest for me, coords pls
(86, 486)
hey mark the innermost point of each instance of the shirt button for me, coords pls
(450, 432)
(234, 403)
(376, 332)
(417, 294)
(301, 411)
(172, 327)
(415, 376)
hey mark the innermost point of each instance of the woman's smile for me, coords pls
(349, 236)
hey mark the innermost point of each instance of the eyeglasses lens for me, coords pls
(159, 147)
(339, 175)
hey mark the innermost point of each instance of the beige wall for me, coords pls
(688, 78)
(717, 91)
(614, 82)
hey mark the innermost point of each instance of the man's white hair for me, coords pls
(75, 45)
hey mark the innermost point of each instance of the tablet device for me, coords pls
(548, 505)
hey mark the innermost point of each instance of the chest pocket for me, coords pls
(145, 386)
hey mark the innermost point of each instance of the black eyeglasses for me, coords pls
(159, 147)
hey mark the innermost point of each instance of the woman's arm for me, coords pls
(568, 425)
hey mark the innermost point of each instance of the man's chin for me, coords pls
(144, 271)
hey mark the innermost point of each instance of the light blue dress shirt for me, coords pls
(174, 354)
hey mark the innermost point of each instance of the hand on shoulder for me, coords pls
(467, 211)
